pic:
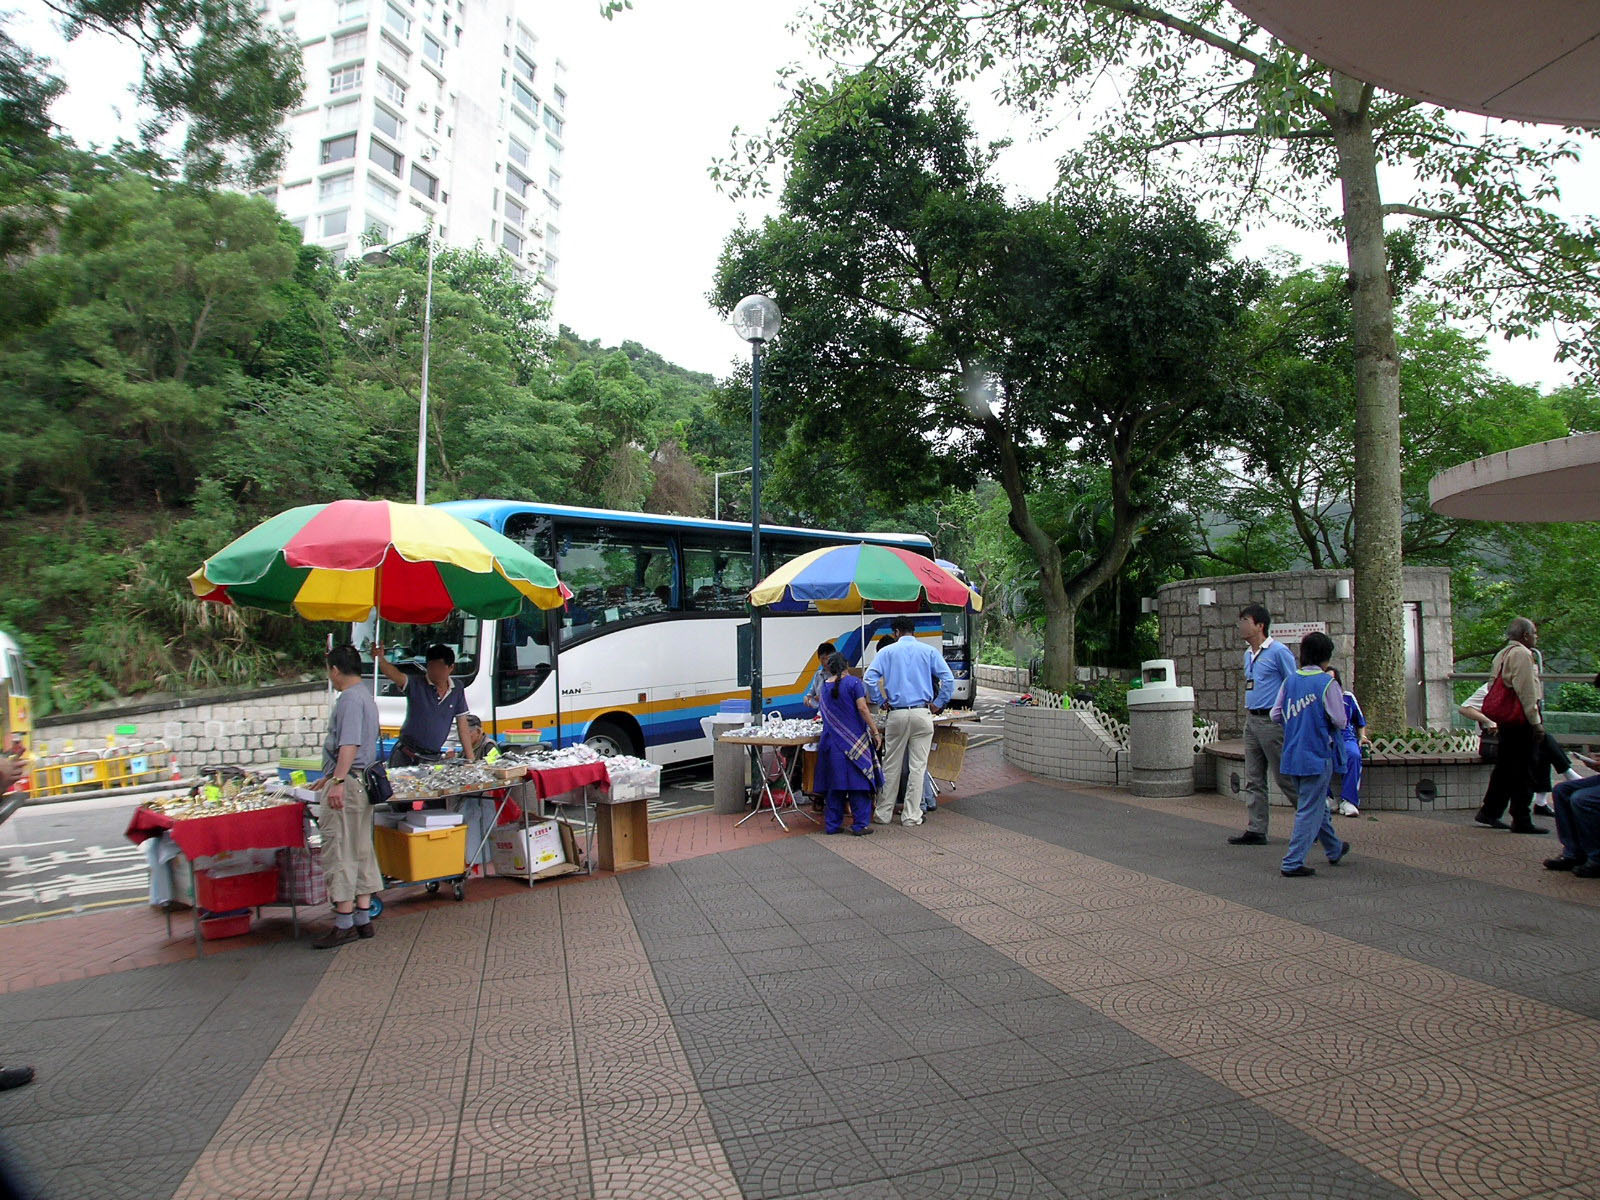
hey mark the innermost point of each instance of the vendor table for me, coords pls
(767, 799)
(279, 827)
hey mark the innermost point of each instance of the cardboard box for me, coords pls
(547, 850)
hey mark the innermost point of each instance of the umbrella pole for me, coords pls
(554, 619)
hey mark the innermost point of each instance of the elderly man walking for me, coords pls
(1267, 665)
(1512, 703)
(907, 672)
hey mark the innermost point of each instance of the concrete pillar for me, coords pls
(730, 770)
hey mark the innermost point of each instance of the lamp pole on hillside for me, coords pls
(756, 319)
(716, 489)
(380, 257)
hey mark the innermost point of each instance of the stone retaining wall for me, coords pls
(1063, 744)
(1203, 640)
(1003, 679)
(245, 728)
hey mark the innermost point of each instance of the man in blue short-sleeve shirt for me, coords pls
(914, 683)
(1267, 663)
(433, 704)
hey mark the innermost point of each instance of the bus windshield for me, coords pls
(407, 646)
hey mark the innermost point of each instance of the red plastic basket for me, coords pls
(225, 926)
(224, 893)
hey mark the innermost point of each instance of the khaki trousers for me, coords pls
(348, 857)
(903, 728)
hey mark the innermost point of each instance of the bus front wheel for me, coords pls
(608, 739)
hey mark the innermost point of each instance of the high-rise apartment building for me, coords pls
(416, 111)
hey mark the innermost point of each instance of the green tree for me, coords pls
(120, 349)
(489, 433)
(1251, 128)
(208, 67)
(984, 337)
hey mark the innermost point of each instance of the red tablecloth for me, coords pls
(553, 781)
(201, 837)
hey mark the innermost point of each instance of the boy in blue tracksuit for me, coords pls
(1310, 707)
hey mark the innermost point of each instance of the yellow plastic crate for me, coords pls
(429, 854)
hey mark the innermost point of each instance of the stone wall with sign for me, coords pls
(1203, 640)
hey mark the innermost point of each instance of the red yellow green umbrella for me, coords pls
(411, 563)
(838, 579)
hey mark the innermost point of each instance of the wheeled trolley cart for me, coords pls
(425, 858)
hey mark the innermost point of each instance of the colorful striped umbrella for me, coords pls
(412, 563)
(839, 579)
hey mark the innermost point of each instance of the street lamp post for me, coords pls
(756, 319)
(381, 257)
(716, 490)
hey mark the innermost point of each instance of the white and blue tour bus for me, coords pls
(655, 637)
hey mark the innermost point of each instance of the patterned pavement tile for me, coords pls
(547, 1181)
(979, 1070)
(1000, 1177)
(798, 1161)
(798, 1102)
(265, 1170)
(646, 1125)
(928, 1135)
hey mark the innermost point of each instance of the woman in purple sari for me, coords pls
(847, 769)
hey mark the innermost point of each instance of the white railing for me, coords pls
(1428, 741)
(1205, 734)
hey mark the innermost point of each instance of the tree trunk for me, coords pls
(1376, 556)
(1061, 613)
(1060, 667)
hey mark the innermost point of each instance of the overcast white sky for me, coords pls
(653, 96)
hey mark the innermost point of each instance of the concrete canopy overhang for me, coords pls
(1558, 480)
(1524, 60)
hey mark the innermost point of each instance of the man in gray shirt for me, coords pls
(345, 814)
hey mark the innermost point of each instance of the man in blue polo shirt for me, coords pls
(1310, 707)
(906, 672)
(1267, 663)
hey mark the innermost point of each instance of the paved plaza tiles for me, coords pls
(1044, 991)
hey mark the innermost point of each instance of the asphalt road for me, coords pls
(62, 859)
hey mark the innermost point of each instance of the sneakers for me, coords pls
(1247, 838)
(14, 1077)
(1542, 806)
(1344, 851)
(1346, 809)
(1298, 873)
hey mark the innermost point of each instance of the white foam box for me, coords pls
(639, 783)
(388, 820)
(434, 820)
(516, 853)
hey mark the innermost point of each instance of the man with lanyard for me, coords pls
(1310, 708)
(433, 702)
(906, 671)
(1267, 663)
